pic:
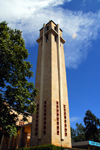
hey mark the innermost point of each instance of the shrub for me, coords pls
(41, 147)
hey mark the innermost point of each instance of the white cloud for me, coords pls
(74, 36)
(74, 119)
(29, 16)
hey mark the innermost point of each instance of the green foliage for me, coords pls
(92, 126)
(16, 92)
(42, 147)
(79, 138)
(73, 132)
(78, 133)
(91, 130)
(12, 130)
(79, 129)
(47, 147)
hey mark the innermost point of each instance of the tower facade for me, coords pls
(51, 124)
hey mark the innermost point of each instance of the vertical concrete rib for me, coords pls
(41, 88)
(60, 87)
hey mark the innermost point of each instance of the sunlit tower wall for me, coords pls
(51, 123)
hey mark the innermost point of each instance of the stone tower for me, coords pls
(51, 124)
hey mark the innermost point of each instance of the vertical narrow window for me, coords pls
(55, 38)
(7, 141)
(57, 116)
(41, 42)
(36, 124)
(65, 124)
(55, 28)
(47, 28)
(44, 128)
(57, 132)
(47, 38)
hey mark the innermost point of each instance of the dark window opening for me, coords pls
(36, 125)
(64, 113)
(46, 38)
(41, 42)
(65, 125)
(65, 134)
(44, 132)
(56, 102)
(44, 122)
(47, 27)
(57, 114)
(57, 110)
(57, 119)
(55, 38)
(55, 28)
(35, 133)
(35, 129)
(57, 132)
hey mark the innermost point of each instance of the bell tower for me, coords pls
(51, 124)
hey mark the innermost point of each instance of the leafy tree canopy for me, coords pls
(78, 133)
(15, 90)
(79, 129)
(91, 130)
(91, 126)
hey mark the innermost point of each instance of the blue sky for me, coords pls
(80, 22)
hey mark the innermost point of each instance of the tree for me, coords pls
(91, 131)
(92, 126)
(78, 133)
(79, 129)
(16, 92)
(73, 132)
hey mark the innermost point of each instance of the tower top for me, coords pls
(50, 22)
(51, 27)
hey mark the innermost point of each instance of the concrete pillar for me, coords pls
(3, 145)
(21, 135)
(2, 142)
(41, 88)
(25, 139)
(16, 142)
(10, 144)
(60, 87)
(22, 138)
